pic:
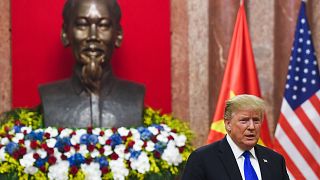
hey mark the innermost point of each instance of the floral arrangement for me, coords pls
(156, 150)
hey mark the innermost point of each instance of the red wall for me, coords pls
(38, 55)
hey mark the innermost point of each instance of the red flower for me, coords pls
(73, 133)
(131, 143)
(114, 156)
(17, 122)
(157, 154)
(101, 133)
(170, 138)
(77, 147)
(36, 156)
(101, 150)
(25, 132)
(21, 141)
(181, 149)
(52, 160)
(124, 138)
(129, 134)
(104, 170)
(114, 130)
(66, 148)
(108, 142)
(43, 168)
(22, 151)
(44, 146)
(50, 150)
(88, 160)
(144, 144)
(16, 155)
(174, 130)
(47, 135)
(154, 139)
(34, 144)
(60, 129)
(73, 170)
(89, 130)
(64, 157)
(90, 147)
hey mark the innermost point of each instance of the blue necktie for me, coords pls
(249, 173)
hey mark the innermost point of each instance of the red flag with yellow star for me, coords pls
(240, 77)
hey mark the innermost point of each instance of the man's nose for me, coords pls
(251, 124)
(93, 32)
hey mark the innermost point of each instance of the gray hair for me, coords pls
(243, 102)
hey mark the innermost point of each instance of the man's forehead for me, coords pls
(86, 7)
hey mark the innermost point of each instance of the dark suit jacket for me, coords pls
(216, 161)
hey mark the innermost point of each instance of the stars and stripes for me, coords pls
(297, 135)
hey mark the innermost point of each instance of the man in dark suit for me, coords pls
(237, 156)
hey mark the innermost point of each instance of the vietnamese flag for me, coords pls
(240, 77)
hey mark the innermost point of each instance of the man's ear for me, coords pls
(64, 38)
(227, 125)
(119, 38)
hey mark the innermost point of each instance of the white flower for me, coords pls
(52, 131)
(2, 154)
(150, 146)
(118, 168)
(51, 142)
(163, 137)
(70, 153)
(153, 130)
(123, 131)
(108, 133)
(57, 154)
(83, 150)
(171, 154)
(92, 171)
(107, 150)
(119, 149)
(42, 153)
(5, 141)
(166, 127)
(59, 171)
(138, 145)
(102, 140)
(65, 132)
(27, 145)
(18, 137)
(135, 134)
(141, 164)
(95, 153)
(27, 129)
(27, 160)
(30, 170)
(180, 140)
(96, 131)
(75, 139)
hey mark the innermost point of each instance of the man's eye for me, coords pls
(81, 23)
(105, 24)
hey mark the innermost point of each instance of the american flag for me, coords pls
(297, 135)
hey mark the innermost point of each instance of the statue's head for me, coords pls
(92, 29)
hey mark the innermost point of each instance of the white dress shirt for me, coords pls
(237, 152)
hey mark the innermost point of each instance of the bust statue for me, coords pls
(93, 96)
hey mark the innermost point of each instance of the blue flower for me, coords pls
(17, 129)
(145, 134)
(35, 136)
(11, 147)
(102, 161)
(40, 162)
(61, 142)
(134, 154)
(76, 159)
(160, 146)
(84, 139)
(159, 127)
(115, 140)
(93, 139)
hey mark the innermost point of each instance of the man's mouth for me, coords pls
(93, 51)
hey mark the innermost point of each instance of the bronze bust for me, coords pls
(93, 96)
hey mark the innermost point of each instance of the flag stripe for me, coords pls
(294, 170)
(315, 101)
(291, 151)
(308, 125)
(294, 138)
(296, 124)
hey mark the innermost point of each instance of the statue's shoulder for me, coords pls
(58, 87)
(128, 87)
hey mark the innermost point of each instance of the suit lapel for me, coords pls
(229, 162)
(263, 163)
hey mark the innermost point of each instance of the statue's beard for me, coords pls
(91, 75)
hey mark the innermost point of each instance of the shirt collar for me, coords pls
(237, 151)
